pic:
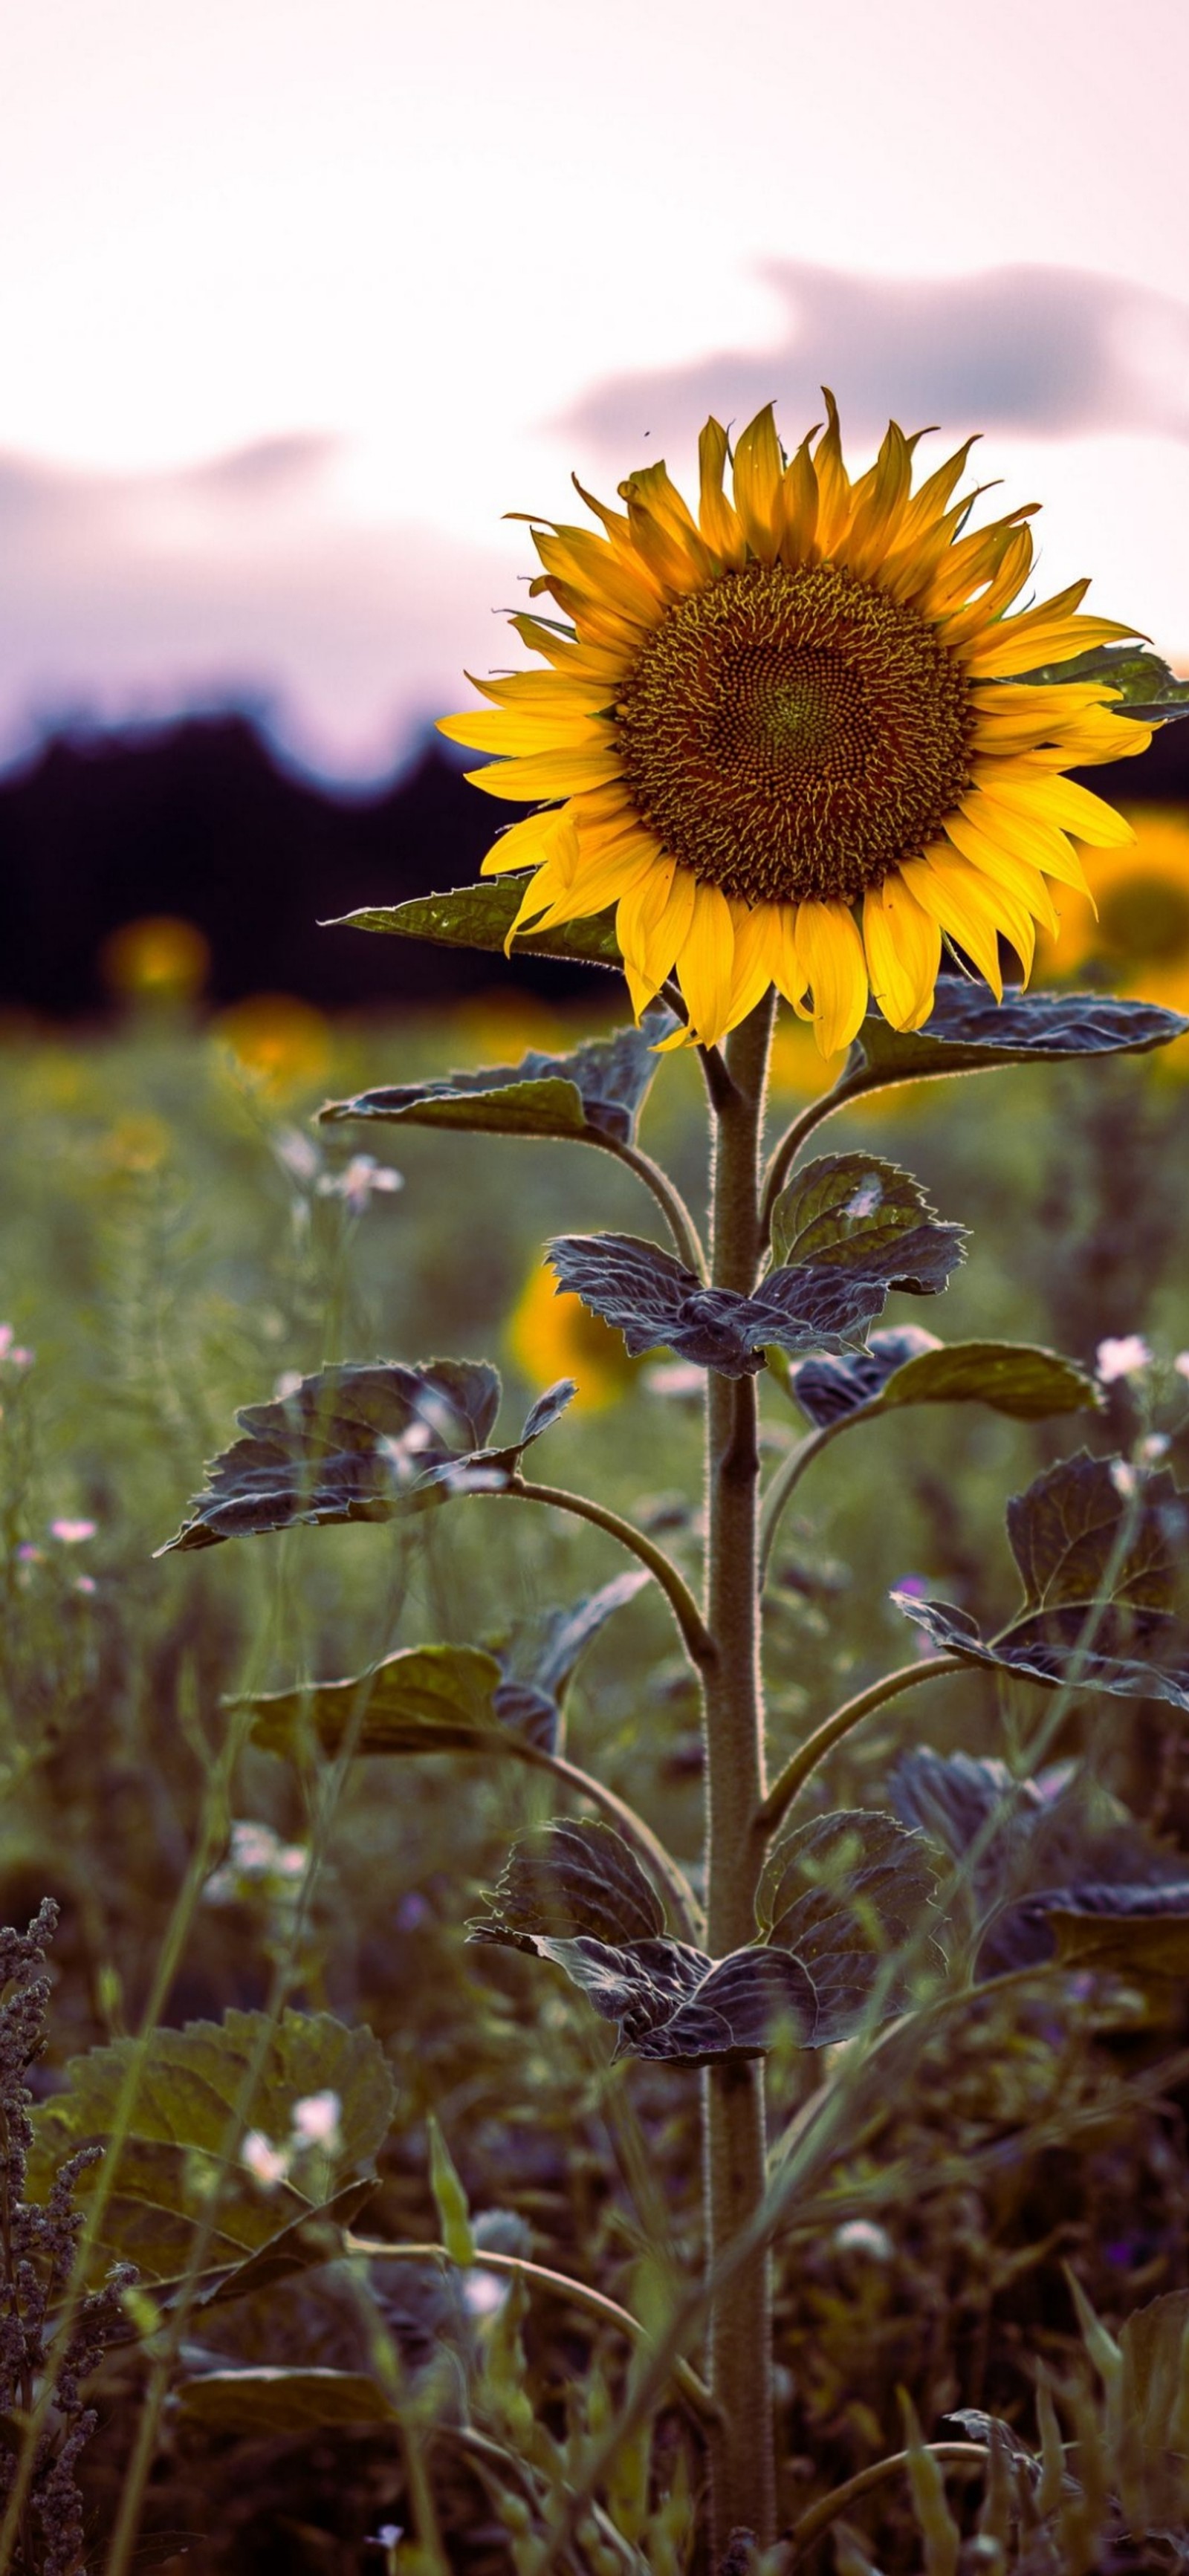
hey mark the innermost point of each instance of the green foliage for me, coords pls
(912, 1367)
(849, 1894)
(1148, 691)
(969, 1032)
(261, 2404)
(481, 916)
(177, 2105)
(596, 1093)
(362, 1443)
(849, 1258)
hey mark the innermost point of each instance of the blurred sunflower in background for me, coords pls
(284, 1045)
(792, 739)
(551, 1334)
(1139, 942)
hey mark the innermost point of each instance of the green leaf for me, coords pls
(362, 1442)
(1149, 691)
(853, 1212)
(261, 2404)
(481, 916)
(815, 1304)
(538, 1661)
(170, 2165)
(1132, 1931)
(844, 1893)
(450, 2200)
(675, 2005)
(567, 1879)
(1065, 1530)
(598, 1091)
(969, 1032)
(425, 1699)
(1135, 1654)
(912, 1367)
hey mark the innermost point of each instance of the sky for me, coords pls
(299, 297)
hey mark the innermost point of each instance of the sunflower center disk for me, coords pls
(791, 735)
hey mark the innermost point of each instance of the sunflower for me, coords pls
(1141, 933)
(552, 1334)
(790, 739)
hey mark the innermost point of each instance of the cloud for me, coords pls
(1054, 352)
(241, 580)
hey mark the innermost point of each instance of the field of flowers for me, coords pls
(180, 1240)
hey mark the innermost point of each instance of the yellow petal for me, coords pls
(1003, 867)
(654, 931)
(525, 844)
(833, 481)
(832, 957)
(664, 532)
(1034, 790)
(553, 692)
(593, 888)
(1027, 835)
(716, 518)
(704, 964)
(547, 773)
(903, 944)
(510, 732)
(958, 898)
(757, 944)
(1050, 633)
(798, 508)
(759, 472)
(879, 502)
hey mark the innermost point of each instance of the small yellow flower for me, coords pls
(158, 959)
(285, 1044)
(552, 1335)
(792, 739)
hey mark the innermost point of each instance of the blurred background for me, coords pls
(297, 303)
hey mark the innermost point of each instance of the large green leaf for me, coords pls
(853, 1212)
(969, 1032)
(1066, 1530)
(481, 916)
(260, 2404)
(844, 1893)
(908, 1366)
(1090, 1646)
(820, 1302)
(426, 1699)
(567, 1879)
(171, 2163)
(597, 1092)
(362, 1443)
(1129, 1931)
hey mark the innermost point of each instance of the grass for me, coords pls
(167, 1253)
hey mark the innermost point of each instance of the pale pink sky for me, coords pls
(298, 296)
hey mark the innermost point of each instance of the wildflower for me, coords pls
(72, 1533)
(1156, 1446)
(84, 1583)
(13, 1353)
(1124, 1478)
(316, 2122)
(268, 2165)
(361, 1179)
(1181, 1364)
(298, 1155)
(1129, 1356)
(803, 707)
(863, 2236)
(286, 1385)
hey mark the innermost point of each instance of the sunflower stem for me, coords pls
(743, 2484)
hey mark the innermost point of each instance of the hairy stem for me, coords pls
(668, 1197)
(805, 1760)
(695, 1636)
(743, 2491)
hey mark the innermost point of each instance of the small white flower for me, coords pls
(287, 1384)
(1181, 1364)
(1155, 1446)
(483, 2293)
(72, 1533)
(12, 1350)
(862, 2236)
(84, 1583)
(1124, 1478)
(359, 1182)
(1128, 1356)
(316, 2121)
(268, 2165)
(298, 1153)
